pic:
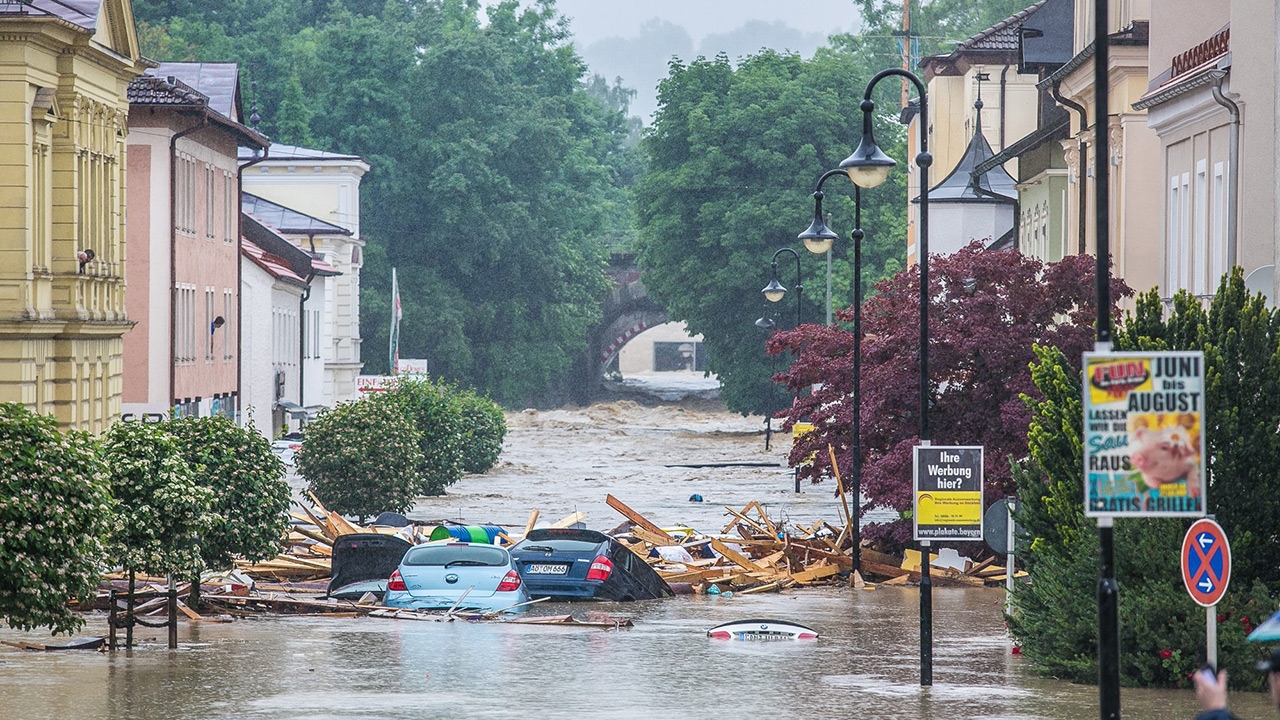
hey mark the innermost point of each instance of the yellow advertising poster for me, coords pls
(948, 493)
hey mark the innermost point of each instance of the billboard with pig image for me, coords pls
(1143, 434)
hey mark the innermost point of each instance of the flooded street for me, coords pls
(865, 664)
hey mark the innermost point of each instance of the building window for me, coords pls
(230, 208)
(1200, 268)
(1177, 255)
(1218, 235)
(208, 323)
(185, 331)
(228, 328)
(209, 228)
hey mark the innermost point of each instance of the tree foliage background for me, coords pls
(1161, 629)
(498, 178)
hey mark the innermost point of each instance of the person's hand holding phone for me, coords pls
(1211, 688)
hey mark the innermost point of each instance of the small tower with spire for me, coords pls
(968, 206)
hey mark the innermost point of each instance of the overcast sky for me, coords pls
(634, 39)
(597, 19)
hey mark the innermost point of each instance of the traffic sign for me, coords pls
(995, 528)
(1206, 562)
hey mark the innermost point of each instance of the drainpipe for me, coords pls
(1056, 92)
(302, 336)
(266, 150)
(1233, 153)
(1003, 73)
(173, 252)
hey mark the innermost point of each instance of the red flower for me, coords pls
(1248, 626)
(1166, 654)
(1222, 618)
(1017, 650)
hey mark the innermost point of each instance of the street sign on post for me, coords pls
(948, 493)
(1143, 434)
(1206, 562)
(997, 528)
(1206, 570)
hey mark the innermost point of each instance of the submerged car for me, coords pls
(572, 564)
(362, 562)
(447, 573)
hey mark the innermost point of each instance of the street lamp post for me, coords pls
(774, 291)
(819, 234)
(768, 324)
(868, 167)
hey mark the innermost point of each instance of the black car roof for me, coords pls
(591, 536)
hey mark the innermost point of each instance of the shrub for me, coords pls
(364, 457)
(436, 413)
(162, 511)
(250, 495)
(55, 508)
(483, 429)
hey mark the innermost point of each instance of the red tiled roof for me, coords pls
(276, 267)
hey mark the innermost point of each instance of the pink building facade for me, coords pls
(183, 241)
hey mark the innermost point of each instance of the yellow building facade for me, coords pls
(63, 76)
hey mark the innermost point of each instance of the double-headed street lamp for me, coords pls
(868, 167)
(774, 291)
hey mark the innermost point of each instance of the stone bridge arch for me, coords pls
(627, 312)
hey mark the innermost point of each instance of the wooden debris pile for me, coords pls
(751, 553)
(754, 553)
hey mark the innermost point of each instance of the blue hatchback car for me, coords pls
(439, 575)
(570, 564)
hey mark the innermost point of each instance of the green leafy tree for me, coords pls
(498, 182)
(437, 415)
(250, 495)
(483, 429)
(1162, 630)
(734, 153)
(162, 511)
(363, 457)
(55, 507)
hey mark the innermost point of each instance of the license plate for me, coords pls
(763, 636)
(546, 569)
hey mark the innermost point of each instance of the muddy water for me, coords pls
(864, 665)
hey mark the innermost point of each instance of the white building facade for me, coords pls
(323, 187)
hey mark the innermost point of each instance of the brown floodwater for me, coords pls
(865, 664)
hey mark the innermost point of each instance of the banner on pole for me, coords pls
(1144, 434)
(393, 352)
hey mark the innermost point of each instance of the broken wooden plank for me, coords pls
(736, 558)
(533, 518)
(652, 538)
(638, 519)
(815, 573)
(571, 519)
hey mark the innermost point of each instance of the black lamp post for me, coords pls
(767, 324)
(774, 291)
(868, 167)
(817, 234)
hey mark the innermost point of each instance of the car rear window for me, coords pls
(445, 554)
(558, 544)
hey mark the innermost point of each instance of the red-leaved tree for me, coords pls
(987, 310)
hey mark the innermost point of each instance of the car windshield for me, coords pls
(449, 555)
